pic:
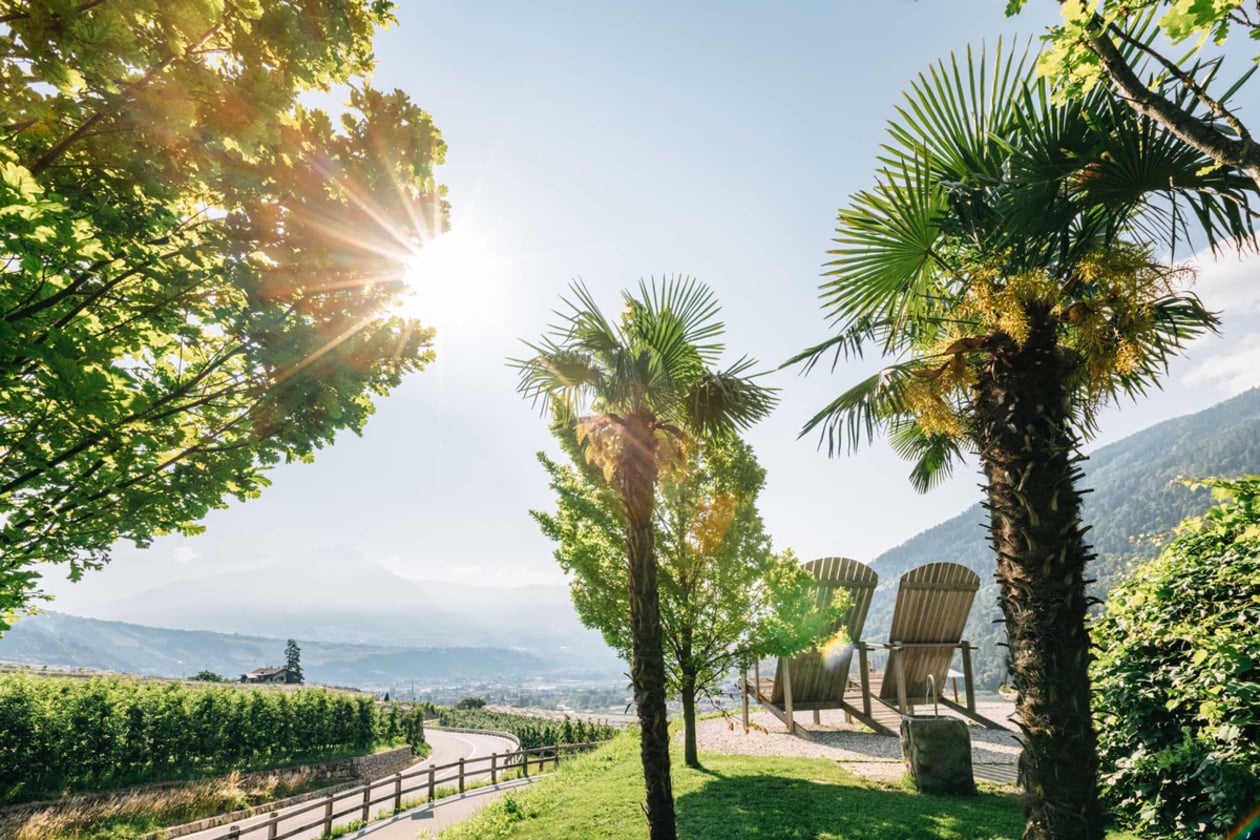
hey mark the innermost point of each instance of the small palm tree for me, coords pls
(1004, 259)
(638, 390)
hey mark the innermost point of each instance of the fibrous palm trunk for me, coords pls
(1029, 451)
(637, 475)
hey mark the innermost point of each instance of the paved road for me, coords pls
(448, 747)
(428, 821)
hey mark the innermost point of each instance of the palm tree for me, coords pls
(638, 389)
(1004, 260)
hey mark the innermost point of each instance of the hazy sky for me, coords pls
(614, 141)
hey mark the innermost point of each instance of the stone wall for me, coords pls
(369, 768)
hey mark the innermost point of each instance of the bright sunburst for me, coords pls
(447, 282)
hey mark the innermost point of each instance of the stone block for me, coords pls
(937, 752)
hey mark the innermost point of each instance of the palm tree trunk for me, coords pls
(1029, 451)
(637, 476)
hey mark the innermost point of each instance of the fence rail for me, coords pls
(396, 788)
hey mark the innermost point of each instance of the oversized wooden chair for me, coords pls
(933, 603)
(811, 681)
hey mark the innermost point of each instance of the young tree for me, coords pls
(1112, 43)
(1003, 258)
(637, 390)
(197, 270)
(725, 597)
(293, 663)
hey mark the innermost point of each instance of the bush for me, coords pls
(67, 734)
(1177, 676)
(470, 703)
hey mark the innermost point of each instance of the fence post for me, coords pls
(398, 791)
(367, 801)
(461, 775)
(274, 828)
(328, 809)
(494, 768)
(525, 762)
(432, 788)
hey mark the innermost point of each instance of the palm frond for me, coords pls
(727, 400)
(886, 266)
(934, 456)
(860, 411)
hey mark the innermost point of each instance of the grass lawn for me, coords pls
(599, 795)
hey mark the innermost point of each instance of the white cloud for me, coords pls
(1232, 371)
(1230, 284)
(183, 555)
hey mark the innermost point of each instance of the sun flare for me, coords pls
(447, 281)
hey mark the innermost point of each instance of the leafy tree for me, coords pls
(470, 703)
(638, 390)
(207, 675)
(1113, 43)
(1003, 259)
(1177, 679)
(725, 597)
(198, 270)
(293, 662)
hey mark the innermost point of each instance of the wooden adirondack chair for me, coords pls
(808, 681)
(933, 603)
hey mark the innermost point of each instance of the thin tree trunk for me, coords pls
(690, 754)
(637, 476)
(1029, 451)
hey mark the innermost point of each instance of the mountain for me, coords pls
(1135, 494)
(60, 640)
(336, 595)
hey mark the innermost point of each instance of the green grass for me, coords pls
(599, 795)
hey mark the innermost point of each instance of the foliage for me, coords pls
(1177, 676)
(470, 703)
(638, 392)
(69, 734)
(726, 598)
(207, 675)
(1116, 43)
(1005, 259)
(532, 731)
(738, 798)
(292, 662)
(198, 270)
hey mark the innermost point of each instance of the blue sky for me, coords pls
(615, 141)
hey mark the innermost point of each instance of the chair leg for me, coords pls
(787, 692)
(901, 683)
(866, 680)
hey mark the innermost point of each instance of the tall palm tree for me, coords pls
(638, 388)
(1005, 261)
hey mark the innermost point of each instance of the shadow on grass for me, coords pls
(768, 806)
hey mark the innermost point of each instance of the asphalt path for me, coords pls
(448, 747)
(429, 820)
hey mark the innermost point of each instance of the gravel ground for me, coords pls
(993, 753)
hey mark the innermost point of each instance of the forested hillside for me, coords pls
(1135, 495)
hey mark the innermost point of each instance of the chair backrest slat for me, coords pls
(933, 603)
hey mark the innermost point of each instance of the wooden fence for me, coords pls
(391, 791)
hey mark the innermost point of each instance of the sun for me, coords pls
(447, 282)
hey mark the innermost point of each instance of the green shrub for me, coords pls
(1177, 676)
(67, 734)
(531, 731)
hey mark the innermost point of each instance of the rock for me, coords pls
(937, 752)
